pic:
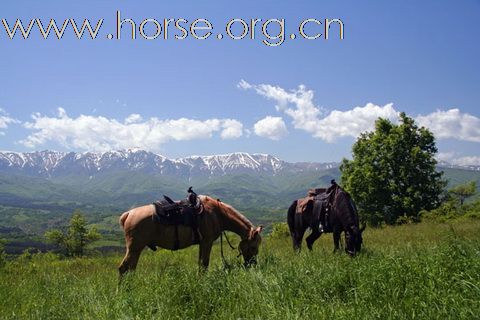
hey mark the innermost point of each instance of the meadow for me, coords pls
(417, 271)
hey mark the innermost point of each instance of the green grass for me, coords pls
(424, 271)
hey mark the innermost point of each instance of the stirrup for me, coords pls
(320, 227)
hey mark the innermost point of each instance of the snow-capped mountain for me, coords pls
(51, 163)
(444, 164)
(54, 164)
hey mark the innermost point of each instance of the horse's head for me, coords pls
(354, 240)
(249, 247)
(347, 211)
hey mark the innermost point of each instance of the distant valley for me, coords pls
(40, 190)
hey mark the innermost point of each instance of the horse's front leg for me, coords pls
(297, 238)
(336, 239)
(204, 254)
(349, 243)
(316, 233)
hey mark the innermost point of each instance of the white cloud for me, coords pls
(231, 129)
(456, 159)
(133, 118)
(271, 127)
(299, 105)
(445, 156)
(353, 122)
(5, 121)
(452, 124)
(100, 133)
(244, 85)
(467, 161)
(306, 116)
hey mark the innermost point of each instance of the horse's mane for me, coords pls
(230, 211)
(343, 199)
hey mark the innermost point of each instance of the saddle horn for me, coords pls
(193, 198)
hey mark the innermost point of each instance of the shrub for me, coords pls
(280, 230)
(452, 209)
(73, 242)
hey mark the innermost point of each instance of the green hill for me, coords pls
(34, 205)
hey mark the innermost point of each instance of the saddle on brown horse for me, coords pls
(185, 212)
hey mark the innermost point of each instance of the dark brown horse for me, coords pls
(330, 210)
(141, 231)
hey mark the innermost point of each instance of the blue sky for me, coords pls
(305, 100)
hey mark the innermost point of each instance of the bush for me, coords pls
(280, 230)
(464, 191)
(406, 220)
(452, 209)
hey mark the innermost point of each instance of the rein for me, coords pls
(228, 241)
(225, 263)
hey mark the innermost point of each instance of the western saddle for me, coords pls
(322, 199)
(185, 212)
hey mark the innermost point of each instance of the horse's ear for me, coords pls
(254, 232)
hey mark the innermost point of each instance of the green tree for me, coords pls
(74, 241)
(392, 175)
(464, 191)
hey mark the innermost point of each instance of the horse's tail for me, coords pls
(291, 217)
(123, 218)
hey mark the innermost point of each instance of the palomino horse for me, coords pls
(331, 210)
(141, 231)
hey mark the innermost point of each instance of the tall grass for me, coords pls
(426, 271)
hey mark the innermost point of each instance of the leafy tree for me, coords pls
(393, 172)
(74, 241)
(464, 191)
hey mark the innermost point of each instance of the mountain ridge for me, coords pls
(51, 163)
(39, 190)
